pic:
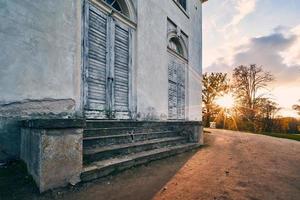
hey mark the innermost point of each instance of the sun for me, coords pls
(225, 101)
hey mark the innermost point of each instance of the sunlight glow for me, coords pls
(225, 101)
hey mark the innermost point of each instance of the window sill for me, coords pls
(182, 9)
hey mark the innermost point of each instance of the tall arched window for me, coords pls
(176, 79)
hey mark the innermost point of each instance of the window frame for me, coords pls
(124, 22)
(184, 54)
(181, 3)
(105, 7)
(121, 11)
(184, 10)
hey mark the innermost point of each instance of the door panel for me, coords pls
(95, 76)
(121, 72)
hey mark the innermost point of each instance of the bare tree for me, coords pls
(296, 107)
(214, 85)
(248, 84)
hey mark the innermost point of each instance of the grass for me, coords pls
(278, 135)
(284, 135)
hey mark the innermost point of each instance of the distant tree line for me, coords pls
(253, 109)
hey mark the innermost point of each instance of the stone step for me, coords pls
(94, 132)
(105, 167)
(131, 123)
(112, 151)
(116, 123)
(99, 141)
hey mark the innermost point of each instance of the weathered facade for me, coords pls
(129, 60)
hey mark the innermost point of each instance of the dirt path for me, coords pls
(239, 166)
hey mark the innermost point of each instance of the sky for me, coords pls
(262, 32)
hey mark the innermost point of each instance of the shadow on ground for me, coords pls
(140, 183)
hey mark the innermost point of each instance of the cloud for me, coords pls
(292, 54)
(243, 8)
(268, 51)
(220, 65)
(221, 26)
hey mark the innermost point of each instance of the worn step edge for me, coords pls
(140, 130)
(119, 152)
(91, 151)
(111, 128)
(119, 131)
(130, 123)
(126, 135)
(126, 127)
(106, 167)
(108, 124)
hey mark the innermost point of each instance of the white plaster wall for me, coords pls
(40, 60)
(152, 56)
(195, 61)
(40, 54)
(40, 50)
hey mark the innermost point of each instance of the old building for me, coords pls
(88, 87)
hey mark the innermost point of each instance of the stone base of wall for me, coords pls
(194, 132)
(52, 150)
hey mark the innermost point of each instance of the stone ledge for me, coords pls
(53, 123)
(179, 122)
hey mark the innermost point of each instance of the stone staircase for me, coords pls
(111, 146)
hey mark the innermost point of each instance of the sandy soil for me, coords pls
(239, 166)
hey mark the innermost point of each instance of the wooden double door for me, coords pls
(107, 58)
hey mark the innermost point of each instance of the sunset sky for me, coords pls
(262, 32)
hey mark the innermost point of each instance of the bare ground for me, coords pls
(232, 165)
(239, 166)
